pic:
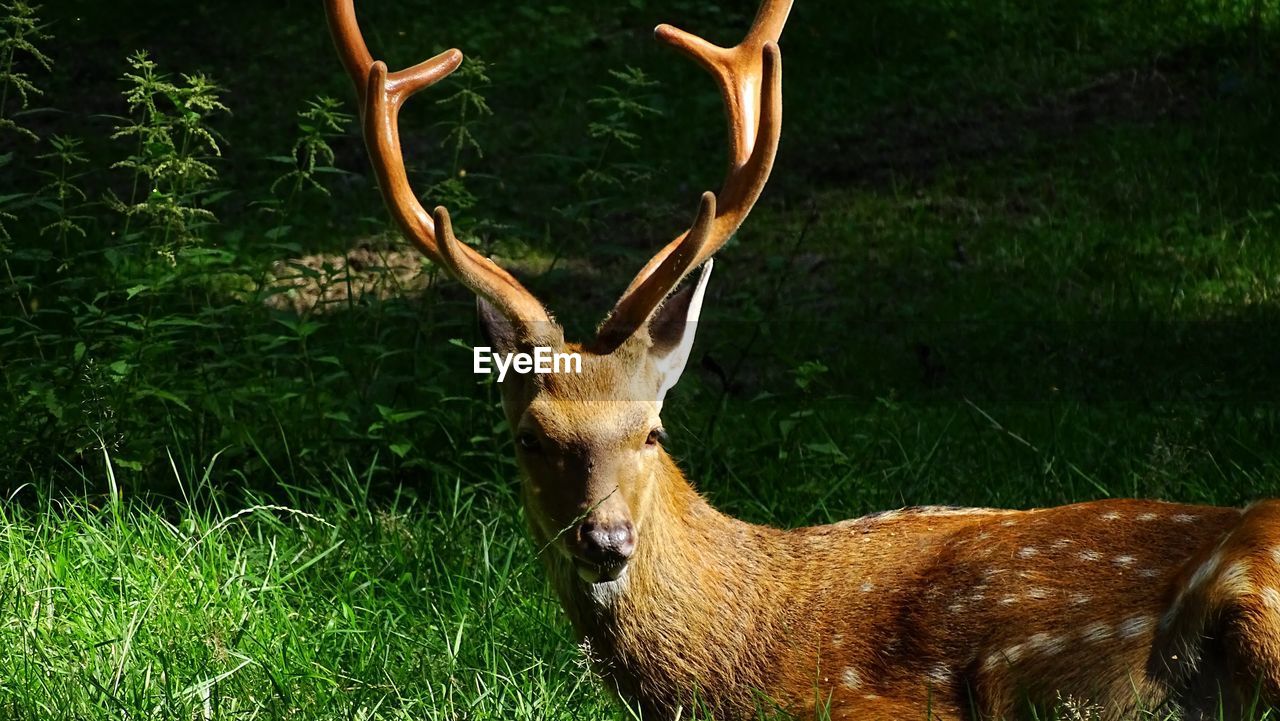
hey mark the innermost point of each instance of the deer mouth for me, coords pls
(600, 572)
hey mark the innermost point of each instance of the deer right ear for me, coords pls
(672, 329)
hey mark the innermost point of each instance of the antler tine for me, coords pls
(749, 76)
(768, 23)
(381, 95)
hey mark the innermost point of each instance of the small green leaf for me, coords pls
(164, 396)
(826, 449)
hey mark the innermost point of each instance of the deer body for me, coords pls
(932, 612)
(961, 613)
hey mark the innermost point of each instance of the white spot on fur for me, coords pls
(1090, 556)
(1008, 600)
(870, 696)
(1009, 522)
(1147, 517)
(1027, 552)
(1013, 653)
(1123, 561)
(1136, 626)
(1235, 579)
(1079, 599)
(1096, 632)
(1184, 518)
(1038, 594)
(868, 587)
(1205, 570)
(940, 674)
(1271, 597)
(837, 640)
(1110, 516)
(1061, 543)
(1047, 644)
(852, 679)
(1149, 572)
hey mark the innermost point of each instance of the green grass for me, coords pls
(346, 610)
(1014, 254)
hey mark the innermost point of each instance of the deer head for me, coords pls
(589, 443)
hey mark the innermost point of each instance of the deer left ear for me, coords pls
(499, 331)
(508, 335)
(672, 328)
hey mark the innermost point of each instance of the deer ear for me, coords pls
(672, 328)
(514, 335)
(501, 333)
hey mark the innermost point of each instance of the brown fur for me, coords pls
(961, 613)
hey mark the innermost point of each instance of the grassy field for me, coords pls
(352, 609)
(1014, 254)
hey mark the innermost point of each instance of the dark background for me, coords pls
(1060, 215)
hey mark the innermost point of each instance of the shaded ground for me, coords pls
(912, 142)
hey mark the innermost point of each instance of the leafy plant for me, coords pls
(624, 103)
(469, 109)
(611, 168)
(311, 157)
(20, 30)
(172, 175)
(60, 195)
(321, 121)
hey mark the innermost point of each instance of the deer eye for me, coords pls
(528, 440)
(656, 436)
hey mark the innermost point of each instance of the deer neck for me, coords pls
(692, 607)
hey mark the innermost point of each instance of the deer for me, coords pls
(915, 613)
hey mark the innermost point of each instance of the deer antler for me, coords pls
(750, 79)
(381, 94)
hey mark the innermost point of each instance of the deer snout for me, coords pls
(607, 543)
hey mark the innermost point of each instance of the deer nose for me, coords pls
(607, 542)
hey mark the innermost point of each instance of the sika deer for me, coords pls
(953, 613)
